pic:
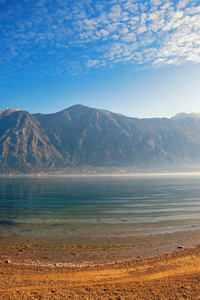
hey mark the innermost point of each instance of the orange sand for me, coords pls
(175, 275)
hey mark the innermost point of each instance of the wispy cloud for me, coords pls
(60, 37)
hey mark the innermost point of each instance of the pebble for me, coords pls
(7, 261)
(180, 247)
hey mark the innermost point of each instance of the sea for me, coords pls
(99, 206)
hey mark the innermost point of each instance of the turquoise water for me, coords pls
(101, 206)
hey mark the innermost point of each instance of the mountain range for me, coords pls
(81, 136)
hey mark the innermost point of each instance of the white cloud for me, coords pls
(130, 37)
(131, 6)
(102, 33)
(141, 29)
(193, 10)
(92, 63)
(156, 2)
(115, 13)
(182, 3)
(166, 5)
(152, 32)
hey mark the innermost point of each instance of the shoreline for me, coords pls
(99, 175)
(165, 271)
(91, 251)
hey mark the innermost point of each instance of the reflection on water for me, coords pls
(98, 206)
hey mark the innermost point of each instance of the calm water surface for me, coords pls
(109, 206)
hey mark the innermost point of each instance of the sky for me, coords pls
(138, 58)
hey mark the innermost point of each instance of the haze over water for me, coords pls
(99, 206)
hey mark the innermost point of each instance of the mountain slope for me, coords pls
(22, 143)
(99, 137)
(80, 135)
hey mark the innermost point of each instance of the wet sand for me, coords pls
(152, 267)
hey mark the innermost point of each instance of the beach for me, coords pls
(166, 268)
(124, 238)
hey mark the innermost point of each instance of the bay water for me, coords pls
(99, 206)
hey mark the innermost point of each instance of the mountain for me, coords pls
(82, 136)
(23, 143)
(185, 116)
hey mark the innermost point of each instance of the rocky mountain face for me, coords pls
(23, 143)
(83, 136)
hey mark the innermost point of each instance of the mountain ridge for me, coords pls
(180, 115)
(83, 136)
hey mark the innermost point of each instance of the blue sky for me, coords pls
(140, 58)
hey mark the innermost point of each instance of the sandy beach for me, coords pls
(54, 269)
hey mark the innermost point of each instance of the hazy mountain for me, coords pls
(23, 143)
(185, 116)
(80, 136)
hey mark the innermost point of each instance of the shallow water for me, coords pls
(98, 206)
